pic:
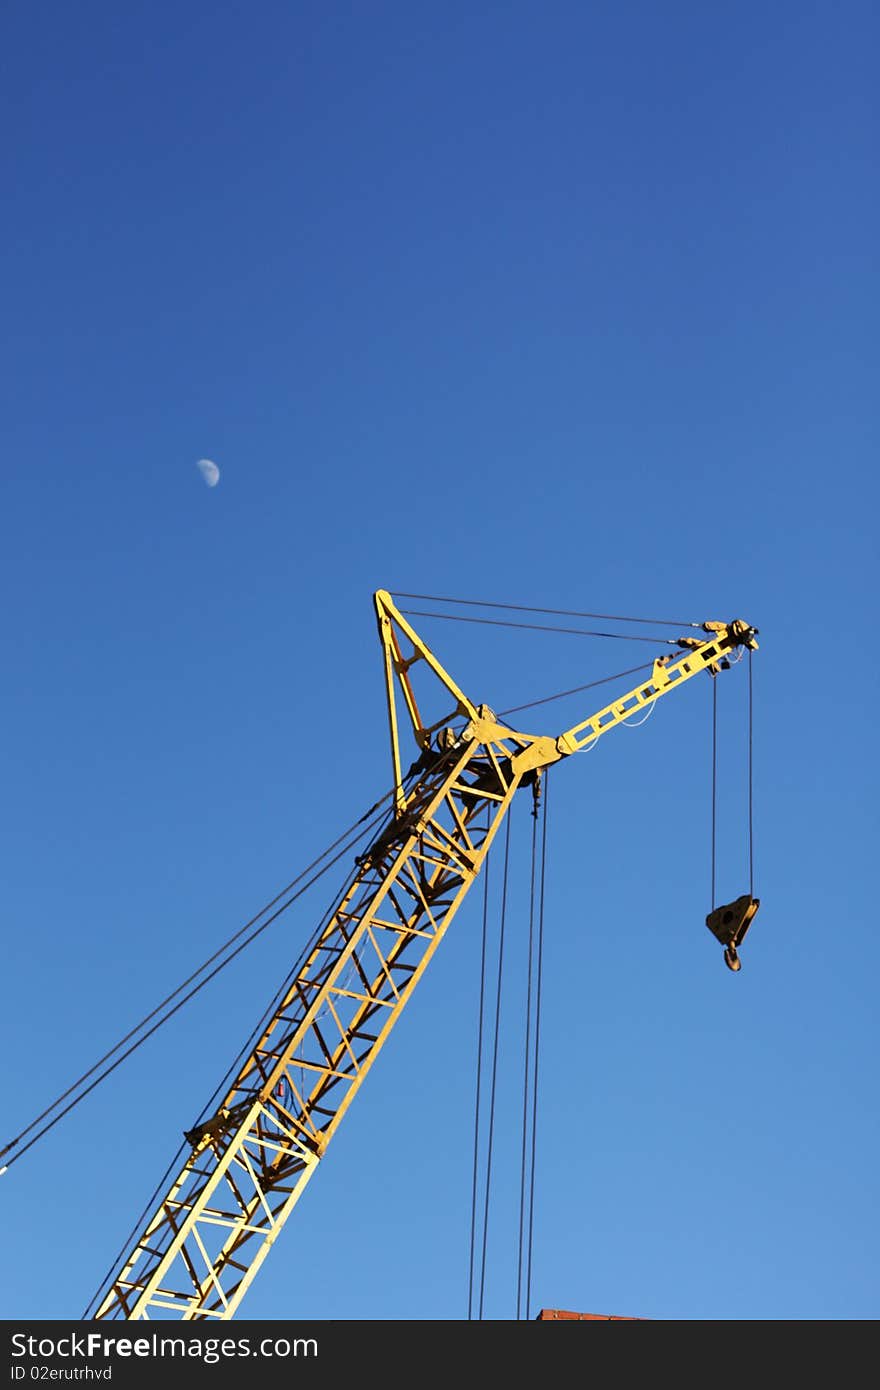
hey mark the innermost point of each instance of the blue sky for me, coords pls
(566, 305)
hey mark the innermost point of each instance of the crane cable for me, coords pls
(751, 834)
(164, 1019)
(558, 612)
(578, 689)
(132, 1033)
(539, 627)
(530, 1073)
(526, 1060)
(492, 1091)
(527, 1066)
(715, 724)
(538, 993)
(478, 1087)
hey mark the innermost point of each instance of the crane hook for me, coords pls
(729, 924)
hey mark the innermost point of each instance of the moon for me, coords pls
(209, 471)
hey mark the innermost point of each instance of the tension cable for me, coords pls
(350, 840)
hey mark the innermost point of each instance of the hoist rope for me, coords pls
(497, 1032)
(478, 1090)
(526, 1069)
(558, 612)
(539, 627)
(133, 1032)
(577, 689)
(539, 985)
(715, 724)
(751, 835)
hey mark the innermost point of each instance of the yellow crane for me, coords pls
(249, 1163)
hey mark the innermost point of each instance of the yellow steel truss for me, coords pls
(250, 1162)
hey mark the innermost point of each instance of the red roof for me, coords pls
(554, 1314)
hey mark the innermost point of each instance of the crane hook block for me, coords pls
(730, 923)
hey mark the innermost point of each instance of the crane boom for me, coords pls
(250, 1161)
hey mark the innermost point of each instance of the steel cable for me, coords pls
(715, 724)
(526, 1067)
(751, 834)
(494, 1067)
(539, 627)
(538, 991)
(478, 1088)
(558, 612)
(133, 1032)
(578, 689)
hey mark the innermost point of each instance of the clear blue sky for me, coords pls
(556, 304)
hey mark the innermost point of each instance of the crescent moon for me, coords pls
(209, 471)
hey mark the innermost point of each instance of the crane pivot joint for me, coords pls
(217, 1124)
(738, 632)
(743, 635)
